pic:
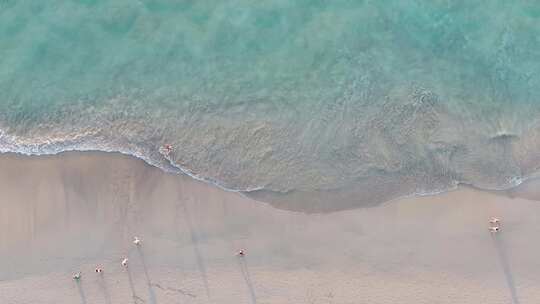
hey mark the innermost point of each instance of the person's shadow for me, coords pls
(81, 291)
(196, 250)
(242, 263)
(135, 297)
(103, 286)
(151, 293)
(500, 248)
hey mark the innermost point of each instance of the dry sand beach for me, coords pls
(78, 211)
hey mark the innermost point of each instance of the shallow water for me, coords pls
(350, 101)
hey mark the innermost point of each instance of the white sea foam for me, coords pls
(289, 98)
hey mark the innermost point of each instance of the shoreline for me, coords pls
(273, 198)
(77, 211)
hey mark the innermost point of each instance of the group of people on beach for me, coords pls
(494, 227)
(137, 242)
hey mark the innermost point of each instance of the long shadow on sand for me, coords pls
(242, 263)
(81, 292)
(503, 258)
(196, 249)
(241, 260)
(136, 299)
(103, 286)
(151, 293)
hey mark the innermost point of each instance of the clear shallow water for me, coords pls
(352, 102)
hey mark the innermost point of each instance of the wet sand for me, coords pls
(77, 211)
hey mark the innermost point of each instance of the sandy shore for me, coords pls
(73, 212)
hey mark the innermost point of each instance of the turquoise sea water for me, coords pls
(339, 101)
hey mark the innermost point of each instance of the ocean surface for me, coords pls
(342, 102)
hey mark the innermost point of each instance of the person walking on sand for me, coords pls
(494, 229)
(494, 225)
(494, 221)
(166, 149)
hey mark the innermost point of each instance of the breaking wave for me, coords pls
(309, 105)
